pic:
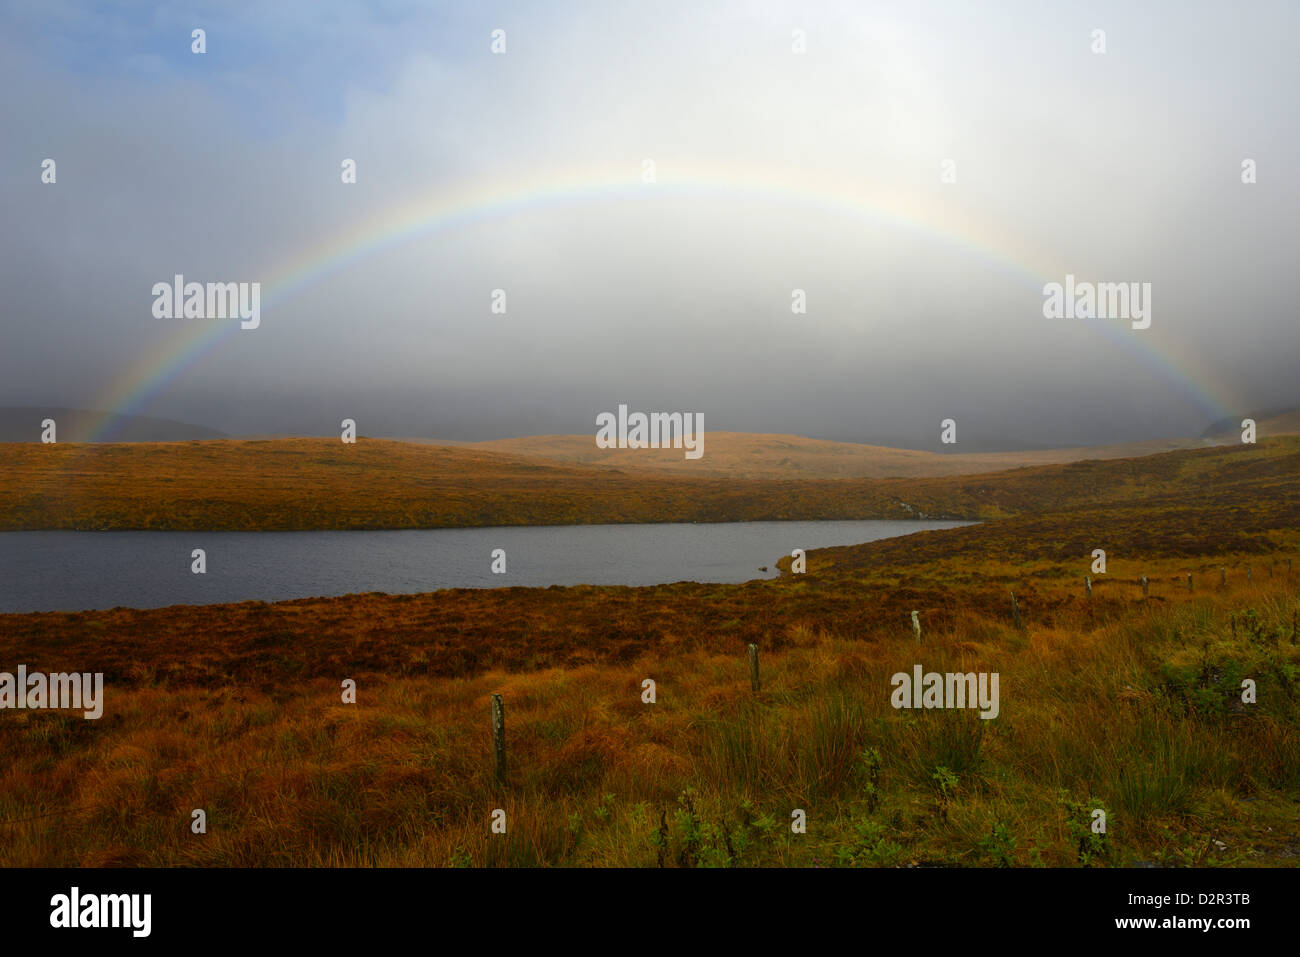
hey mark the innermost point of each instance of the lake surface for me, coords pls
(75, 571)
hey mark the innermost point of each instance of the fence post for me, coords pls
(1087, 585)
(1015, 609)
(1146, 586)
(1223, 575)
(753, 668)
(499, 737)
(916, 627)
(1189, 581)
(1248, 571)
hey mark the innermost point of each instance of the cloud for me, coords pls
(821, 173)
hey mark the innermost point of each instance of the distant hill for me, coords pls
(1267, 423)
(750, 455)
(23, 424)
(323, 483)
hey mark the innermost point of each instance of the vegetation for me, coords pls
(322, 483)
(1125, 702)
(749, 455)
(1134, 714)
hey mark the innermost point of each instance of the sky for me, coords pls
(774, 171)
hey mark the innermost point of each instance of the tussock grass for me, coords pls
(1125, 703)
(1119, 715)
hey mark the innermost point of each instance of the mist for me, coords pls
(775, 171)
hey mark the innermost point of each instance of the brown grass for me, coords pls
(322, 483)
(289, 775)
(1124, 702)
(744, 455)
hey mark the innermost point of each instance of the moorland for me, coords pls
(1127, 700)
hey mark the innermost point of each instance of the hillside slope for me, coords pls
(321, 483)
(749, 455)
(23, 424)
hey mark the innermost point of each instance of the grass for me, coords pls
(1124, 703)
(291, 484)
(709, 774)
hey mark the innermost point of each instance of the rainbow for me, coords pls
(445, 209)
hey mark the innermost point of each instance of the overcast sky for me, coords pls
(775, 171)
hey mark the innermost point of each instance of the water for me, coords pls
(75, 571)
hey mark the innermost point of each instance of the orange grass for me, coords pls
(1123, 702)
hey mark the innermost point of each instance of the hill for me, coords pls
(1267, 423)
(750, 455)
(322, 483)
(23, 424)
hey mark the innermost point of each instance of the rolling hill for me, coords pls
(321, 483)
(754, 456)
(23, 424)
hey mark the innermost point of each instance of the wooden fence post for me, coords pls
(1146, 586)
(1087, 586)
(753, 668)
(1223, 575)
(1189, 581)
(499, 737)
(916, 627)
(1015, 609)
